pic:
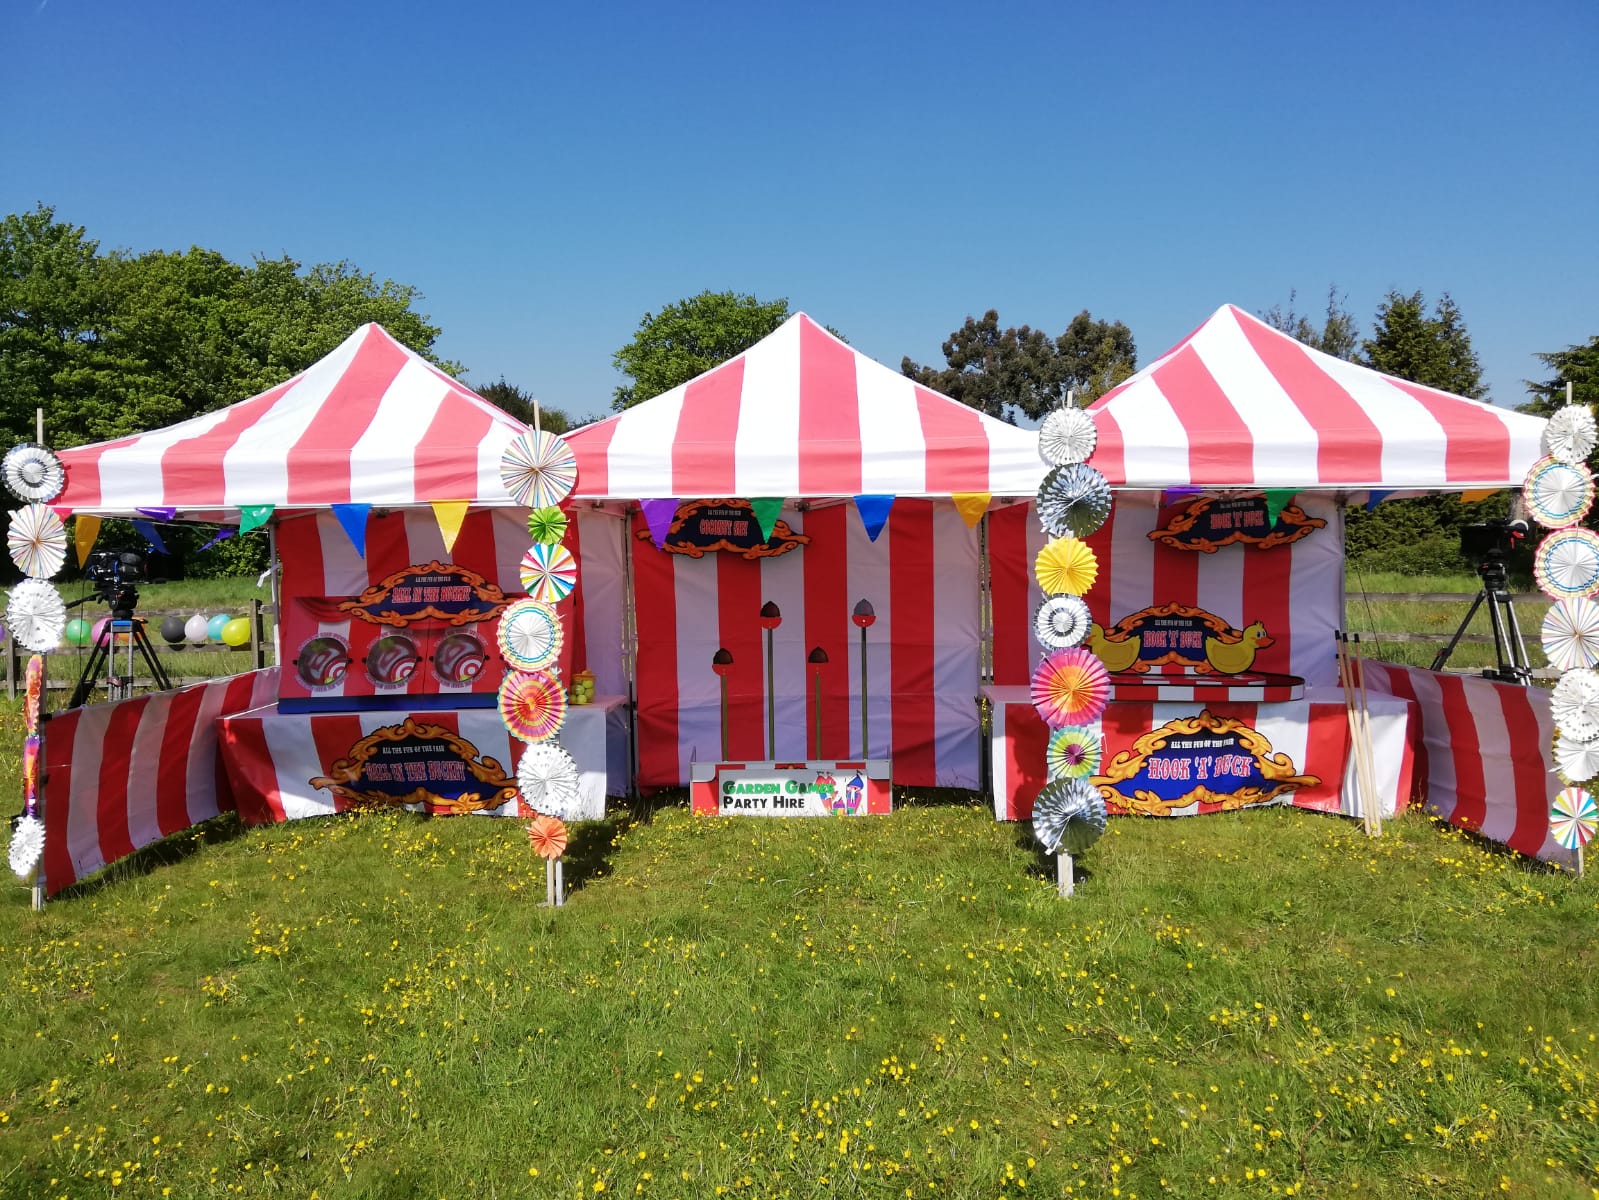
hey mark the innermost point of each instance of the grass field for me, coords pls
(1377, 618)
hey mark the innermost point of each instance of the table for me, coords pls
(284, 766)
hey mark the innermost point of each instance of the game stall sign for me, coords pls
(423, 767)
(1206, 525)
(806, 789)
(701, 527)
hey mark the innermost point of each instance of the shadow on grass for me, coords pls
(169, 851)
(591, 844)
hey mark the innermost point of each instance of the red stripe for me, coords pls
(1008, 573)
(1110, 454)
(319, 461)
(172, 762)
(192, 469)
(1220, 446)
(1349, 445)
(1102, 542)
(388, 549)
(474, 548)
(592, 446)
(238, 696)
(829, 415)
(656, 667)
(1471, 787)
(707, 425)
(116, 752)
(445, 461)
(1026, 742)
(1176, 578)
(243, 747)
(1476, 443)
(957, 446)
(1326, 752)
(738, 606)
(827, 624)
(1526, 749)
(914, 715)
(300, 552)
(334, 735)
(55, 789)
(1414, 777)
(1123, 724)
(1267, 598)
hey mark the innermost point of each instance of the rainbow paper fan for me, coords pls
(1066, 566)
(37, 540)
(1557, 493)
(33, 694)
(1570, 634)
(532, 705)
(529, 635)
(1073, 753)
(1573, 818)
(538, 469)
(1566, 563)
(1070, 687)
(1068, 816)
(549, 573)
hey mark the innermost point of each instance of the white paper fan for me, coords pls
(1570, 434)
(1061, 621)
(1571, 633)
(32, 473)
(1557, 494)
(1067, 436)
(1574, 705)
(37, 540)
(1576, 762)
(548, 778)
(27, 846)
(36, 616)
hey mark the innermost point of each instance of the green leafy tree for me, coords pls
(1577, 365)
(1337, 334)
(689, 338)
(519, 404)
(1432, 350)
(1020, 369)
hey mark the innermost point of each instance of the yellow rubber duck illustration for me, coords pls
(1233, 658)
(1117, 656)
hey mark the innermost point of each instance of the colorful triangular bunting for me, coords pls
(222, 535)
(253, 516)
(1479, 494)
(450, 514)
(160, 514)
(766, 510)
(1373, 499)
(148, 532)
(874, 513)
(972, 506)
(1278, 499)
(352, 519)
(84, 534)
(659, 515)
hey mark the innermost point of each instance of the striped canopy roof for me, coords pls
(801, 414)
(371, 423)
(1238, 404)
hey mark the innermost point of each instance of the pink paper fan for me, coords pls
(532, 705)
(1070, 687)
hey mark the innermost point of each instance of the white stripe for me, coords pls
(344, 571)
(783, 582)
(200, 774)
(955, 648)
(490, 449)
(127, 472)
(83, 812)
(144, 760)
(699, 704)
(294, 761)
(1285, 441)
(869, 570)
(766, 445)
(1132, 556)
(639, 458)
(1316, 594)
(383, 459)
(1154, 442)
(894, 453)
(601, 576)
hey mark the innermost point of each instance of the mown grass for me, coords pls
(1258, 1004)
(1373, 619)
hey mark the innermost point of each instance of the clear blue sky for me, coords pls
(547, 173)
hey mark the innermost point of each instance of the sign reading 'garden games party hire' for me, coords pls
(704, 527)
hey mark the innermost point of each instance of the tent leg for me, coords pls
(630, 653)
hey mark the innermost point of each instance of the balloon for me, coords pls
(236, 632)
(172, 631)
(196, 630)
(213, 628)
(98, 630)
(78, 631)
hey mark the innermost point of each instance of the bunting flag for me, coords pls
(149, 533)
(971, 506)
(222, 535)
(766, 510)
(84, 534)
(1373, 499)
(1277, 499)
(1174, 494)
(659, 515)
(449, 514)
(352, 519)
(253, 516)
(874, 514)
(159, 514)
(1480, 494)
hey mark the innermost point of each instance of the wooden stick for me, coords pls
(1363, 787)
(1365, 739)
(1063, 873)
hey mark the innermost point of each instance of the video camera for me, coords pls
(114, 572)
(1490, 541)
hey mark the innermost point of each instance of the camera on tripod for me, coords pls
(114, 573)
(1490, 540)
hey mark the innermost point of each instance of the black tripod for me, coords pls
(122, 622)
(1509, 650)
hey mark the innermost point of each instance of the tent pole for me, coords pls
(630, 652)
(272, 590)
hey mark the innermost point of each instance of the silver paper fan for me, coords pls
(1066, 436)
(37, 540)
(1576, 762)
(27, 846)
(1068, 816)
(1570, 434)
(36, 616)
(1073, 501)
(1574, 705)
(32, 473)
(1061, 621)
(548, 777)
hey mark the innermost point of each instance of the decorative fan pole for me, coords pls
(771, 618)
(864, 616)
(817, 660)
(722, 663)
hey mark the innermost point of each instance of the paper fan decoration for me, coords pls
(538, 469)
(1557, 493)
(549, 573)
(1066, 436)
(1575, 762)
(1570, 634)
(1570, 434)
(529, 635)
(1574, 705)
(532, 705)
(33, 694)
(37, 540)
(1073, 753)
(36, 616)
(546, 526)
(1073, 501)
(1070, 687)
(1061, 621)
(32, 473)
(27, 846)
(547, 835)
(1566, 563)
(1573, 818)
(1068, 816)
(547, 777)
(1067, 565)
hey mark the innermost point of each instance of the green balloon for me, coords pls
(78, 631)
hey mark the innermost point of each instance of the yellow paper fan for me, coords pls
(1066, 566)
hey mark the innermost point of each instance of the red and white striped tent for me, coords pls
(802, 415)
(1237, 404)
(372, 423)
